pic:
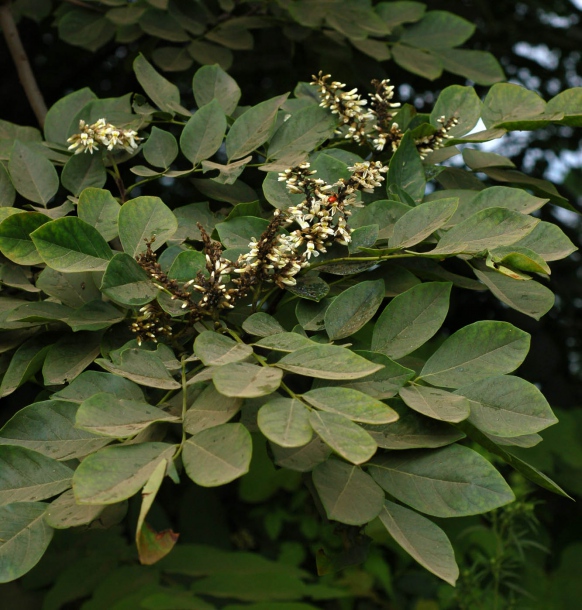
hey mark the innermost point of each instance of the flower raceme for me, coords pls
(104, 133)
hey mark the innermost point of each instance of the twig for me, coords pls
(20, 59)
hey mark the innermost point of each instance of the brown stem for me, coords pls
(20, 59)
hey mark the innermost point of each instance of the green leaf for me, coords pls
(437, 30)
(33, 175)
(328, 362)
(411, 319)
(529, 297)
(513, 199)
(239, 379)
(60, 119)
(301, 459)
(83, 171)
(41, 311)
(208, 53)
(413, 431)
(106, 415)
(218, 455)
(528, 471)
(72, 289)
(460, 102)
(142, 367)
(304, 131)
(351, 404)
(285, 342)
(484, 230)
(213, 83)
(406, 169)
(507, 406)
(383, 213)
(26, 361)
(142, 218)
(522, 259)
(95, 315)
(422, 540)
(310, 287)
(238, 232)
(98, 208)
(117, 473)
(420, 222)
(24, 537)
(549, 241)
(161, 148)
(416, 61)
(64, 512)
(311, 315)
(345, 437)
(15, 241)
(69, 356)
(48, 427)
(397, 13)
(210, 409)
(385, 383)
(478, 66)
(506, 103)
(70, 245)
(28, 476)
(454, 481)
(435, 403)
(91, 382)
(252, 128)
(203, 133)
(475, 352)
(186, 266)
(7, 191)
(353, 308)
(262, 324)
(348, 494)
(227, 174)
(162, 92)
(567, 102)
(172, 59)
(216, 349)
(84, 28)
(285, 421)
(126, 282)
(162, 24)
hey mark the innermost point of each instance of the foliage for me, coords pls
(299, 300)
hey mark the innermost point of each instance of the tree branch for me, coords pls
(20, 59)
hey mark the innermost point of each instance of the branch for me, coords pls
(20, 59)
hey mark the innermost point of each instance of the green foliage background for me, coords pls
(267, 511)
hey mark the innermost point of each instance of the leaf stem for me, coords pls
(118, 180)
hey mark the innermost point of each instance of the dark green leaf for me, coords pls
(411, 319)
(85, 28)
(422, 539)
(353, 308)
(117, 473)
(83, 171)
(213, 83)
(15, 241)
(92, 382)
(27, 476)
(352, 404)
(161, 148)
(420, 222)
(416, 61)
(460, 102)
(437, 30)
(33, 175)
(203, 133)
(98, 208)
(310, 287)
(285, 421)
(475, 352)
(238, 232)
(70, 245)
(345, 437)
(95, 315)
(216, 349)
(239, 379)
(478, 66)
(218, 455)
(141, 219)
(106, 415)
(187, 265)
(406, 169)
(24, 537)
(162, 92)
(507, 406)
(435, 403)
(454, 481)
(59, 123)
(126, 282)
(252, 128)
(301, 459)
(69, 356)
(348, 494)
(26, 361)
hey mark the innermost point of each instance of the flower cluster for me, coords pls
(103, 133)
(151, 323)
(374, 125)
